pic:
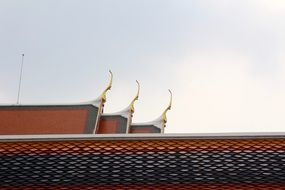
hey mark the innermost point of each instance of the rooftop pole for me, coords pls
(20, 80)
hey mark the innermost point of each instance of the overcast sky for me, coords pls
(223, 59)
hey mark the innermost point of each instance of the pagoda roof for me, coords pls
(75, 118)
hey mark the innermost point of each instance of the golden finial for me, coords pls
(164, 117)
(132, 107)
(103, 97)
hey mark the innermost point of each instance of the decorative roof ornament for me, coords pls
(99, 102)
(104, 94)
(131, 108)
(162, 120)
(164, 116)
(132, 104)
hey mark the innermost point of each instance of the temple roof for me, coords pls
(76, 118)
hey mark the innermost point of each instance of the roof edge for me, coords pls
(67, 137)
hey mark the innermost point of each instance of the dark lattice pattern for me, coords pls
(147, 164)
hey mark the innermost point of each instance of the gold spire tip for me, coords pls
(132, 107)
(164, 117)
(104, 94)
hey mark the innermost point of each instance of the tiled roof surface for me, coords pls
(166, 162)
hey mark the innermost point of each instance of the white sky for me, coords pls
(223, 59)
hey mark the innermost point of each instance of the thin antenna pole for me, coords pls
(20, 80)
